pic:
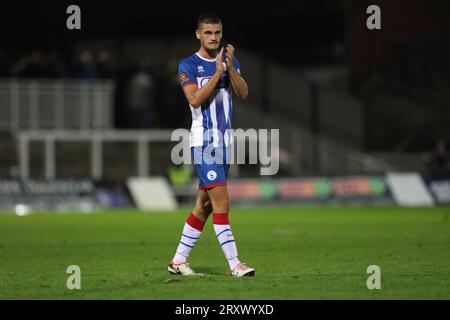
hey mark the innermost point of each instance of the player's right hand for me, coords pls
(219, 64)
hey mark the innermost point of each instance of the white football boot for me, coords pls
(241, 270)
(183, 269)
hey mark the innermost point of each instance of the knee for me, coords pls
(207, 207)
(203, 210)
(222, 206)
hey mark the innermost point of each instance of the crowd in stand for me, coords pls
(147, 94)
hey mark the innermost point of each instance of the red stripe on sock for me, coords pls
(195, 222)
(220, 218)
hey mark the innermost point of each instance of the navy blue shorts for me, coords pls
(211, 164)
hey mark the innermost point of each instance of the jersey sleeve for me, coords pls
(186, 74)
(236, 65)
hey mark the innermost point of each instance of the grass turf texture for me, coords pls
(299, 253)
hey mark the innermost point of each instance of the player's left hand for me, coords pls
(229, 56)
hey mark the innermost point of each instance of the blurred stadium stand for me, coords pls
(348, 101)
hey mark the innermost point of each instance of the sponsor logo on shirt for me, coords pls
(204, 80)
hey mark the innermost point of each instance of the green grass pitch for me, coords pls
(299, 253)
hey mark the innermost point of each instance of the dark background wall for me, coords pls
(398, 71)
(273, 30)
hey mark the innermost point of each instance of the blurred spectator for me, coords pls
(180, 175)
(84, 67)
(32, 65)
(105, 64)
(172, 99)
(123, 74)
(139, 99)
(438, 159)
(55, 65)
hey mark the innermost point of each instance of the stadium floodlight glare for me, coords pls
(22, 209)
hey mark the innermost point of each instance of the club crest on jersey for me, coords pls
(184, 77)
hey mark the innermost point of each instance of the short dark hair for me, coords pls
(208, 18)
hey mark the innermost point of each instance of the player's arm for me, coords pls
(196, 96)
(237, 81)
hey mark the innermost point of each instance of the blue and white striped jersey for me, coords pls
(211, 123)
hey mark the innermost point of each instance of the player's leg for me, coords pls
(212, 169)
(190, 235)
(203, 207)
(220, 201)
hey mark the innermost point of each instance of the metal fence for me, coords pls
(31, 104)
(311, 155)
(96, 139)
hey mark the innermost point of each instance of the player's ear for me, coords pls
(197, 34)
